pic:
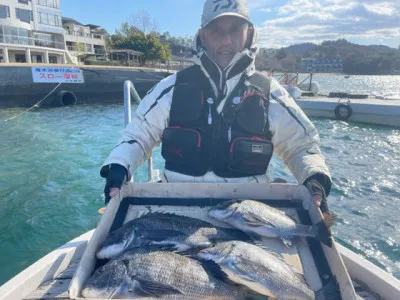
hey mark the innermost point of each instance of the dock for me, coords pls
(101, 85)
(370, 110)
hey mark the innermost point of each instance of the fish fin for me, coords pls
(253, 224)
(287, 242)
(160, 235)
(322, 233)
(299, 275)
(157, 289)
(240, 269)
(257, 220)
(162, 214)
(213, 269)
(192, 252)
(198, 240)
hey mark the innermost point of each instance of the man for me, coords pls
(220, 120)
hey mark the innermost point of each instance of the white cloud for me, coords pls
(266, 10)
(381, 8)
(299, 21)
(256, 4)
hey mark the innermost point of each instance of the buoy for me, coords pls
(343, 112)
(66, 98)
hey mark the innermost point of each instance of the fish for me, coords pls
(169, 231)
(262, 271)
(149, 272)
(256, 217)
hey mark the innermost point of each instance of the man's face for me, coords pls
(223, 38)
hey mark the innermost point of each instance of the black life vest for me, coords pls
(235, 143)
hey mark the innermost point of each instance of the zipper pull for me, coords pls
(230, 134)
(210, 103)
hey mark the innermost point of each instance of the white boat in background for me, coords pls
(369, 109)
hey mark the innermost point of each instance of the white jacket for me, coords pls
(296, 140)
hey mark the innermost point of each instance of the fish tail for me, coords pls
(322, 233)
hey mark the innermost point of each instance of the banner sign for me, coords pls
(57, 75)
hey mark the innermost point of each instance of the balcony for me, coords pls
(80, 34)
(29, 41)
(77, 49)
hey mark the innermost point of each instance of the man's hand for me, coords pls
(318, 195)
(114, 192)
(116, 176)
(316, 199)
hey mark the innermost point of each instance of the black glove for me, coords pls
(116, 175)
(319, 184)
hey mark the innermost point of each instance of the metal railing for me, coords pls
(29, 41)
(86, 35)
(129, 92)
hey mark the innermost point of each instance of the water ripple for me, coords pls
(50, 188)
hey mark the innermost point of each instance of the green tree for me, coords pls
(134, 39)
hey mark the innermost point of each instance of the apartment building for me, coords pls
(35, 31)
(84, 41)
(328, 65)
(31, 31)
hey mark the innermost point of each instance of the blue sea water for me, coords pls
(50, 188)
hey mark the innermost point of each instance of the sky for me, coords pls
(279, 23)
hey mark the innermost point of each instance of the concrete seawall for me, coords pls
(102, 85)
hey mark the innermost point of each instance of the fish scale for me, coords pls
(158, 269)
(181, 233)
(259, 270)
(256, 217)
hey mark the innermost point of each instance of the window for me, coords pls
(49, 19)
(49, 3)
(20, 58)
(53, 59)
(23, 1)
(24, 15)
(4, 12)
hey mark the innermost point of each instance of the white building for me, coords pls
(31, 31)
(84, 41)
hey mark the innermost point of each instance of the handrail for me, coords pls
(129, 92)
(311, 78)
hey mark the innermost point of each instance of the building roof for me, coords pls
(125, 51)
(92, 26)
(66, 20)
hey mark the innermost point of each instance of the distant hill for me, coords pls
(301, 48)
(357, 59)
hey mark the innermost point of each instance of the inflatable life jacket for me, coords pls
(235, 143)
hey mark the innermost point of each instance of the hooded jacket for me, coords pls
(295, 139)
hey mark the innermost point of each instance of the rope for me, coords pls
(36, 104)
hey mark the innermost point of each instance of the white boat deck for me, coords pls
(57, 289)
(370, 110)
(61, 273)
